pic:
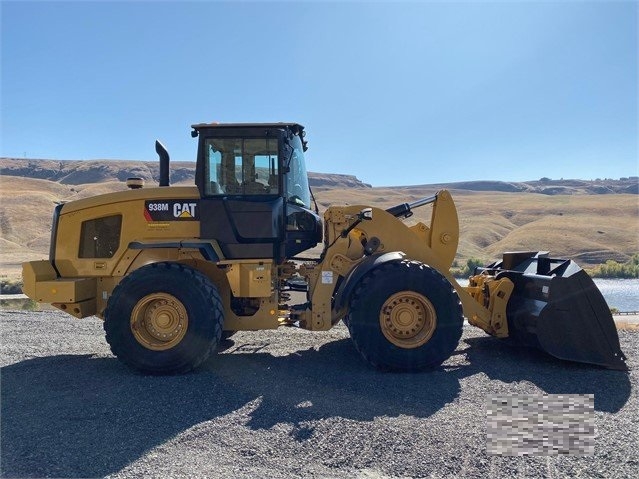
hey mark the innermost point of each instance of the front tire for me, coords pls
(405, 316)
(164, 318)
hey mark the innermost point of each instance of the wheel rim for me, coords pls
(159, 321)
(408, 319)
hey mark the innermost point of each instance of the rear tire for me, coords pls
(164, 318)
(405, 316)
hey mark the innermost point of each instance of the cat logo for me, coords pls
(184, 210)
(170, 210)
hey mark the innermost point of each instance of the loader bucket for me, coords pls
(555, 306)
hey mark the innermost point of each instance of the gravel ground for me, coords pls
(286, 403)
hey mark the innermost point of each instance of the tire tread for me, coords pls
(214, 305)
(361, 298)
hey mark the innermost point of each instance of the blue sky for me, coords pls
(396, 93)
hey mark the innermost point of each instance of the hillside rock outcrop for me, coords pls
(79, 172)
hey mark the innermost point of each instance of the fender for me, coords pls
(345, 289)
(207, 249)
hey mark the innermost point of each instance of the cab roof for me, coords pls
(202, 126)
(244, 128)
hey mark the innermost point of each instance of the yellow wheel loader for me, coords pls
(173, 270)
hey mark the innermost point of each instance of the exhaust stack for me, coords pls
(164, 163)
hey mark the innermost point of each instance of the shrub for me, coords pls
(612, 269)
(30, 305)
(468, 269)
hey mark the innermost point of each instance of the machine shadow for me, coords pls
(328, 382)
(502, 361)
(84, 416)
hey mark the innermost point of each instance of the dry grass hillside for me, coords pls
(588, 228)
(571, 222)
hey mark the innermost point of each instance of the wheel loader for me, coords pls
(174, 270)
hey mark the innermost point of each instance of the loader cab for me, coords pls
(255, 197)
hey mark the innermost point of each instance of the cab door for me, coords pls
(242, 206)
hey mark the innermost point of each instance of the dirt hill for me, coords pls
(590, 221)
(70, 172)
(546, 186)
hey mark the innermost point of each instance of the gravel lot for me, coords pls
(286, 403)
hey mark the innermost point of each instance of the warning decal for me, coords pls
(171, 210)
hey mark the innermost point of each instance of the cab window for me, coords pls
(241, 166)
(297, 189)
